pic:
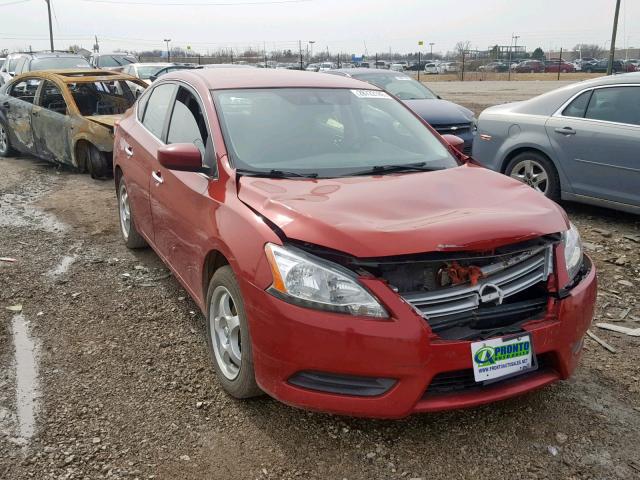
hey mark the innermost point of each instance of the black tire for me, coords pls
(132, 239)
(540, 162)
(98, 163)
(244, 384)
(5, 143)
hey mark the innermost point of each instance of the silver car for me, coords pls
(579, 143)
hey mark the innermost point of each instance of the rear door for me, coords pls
(140, 136)
(17, 108)
(51, 124)
(597, 139)
(180, 205)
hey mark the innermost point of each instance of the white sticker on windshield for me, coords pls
(403, 78)
(370, 94)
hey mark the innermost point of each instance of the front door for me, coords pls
(597, 139)
(51, 125)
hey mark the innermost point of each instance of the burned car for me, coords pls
(65, 116)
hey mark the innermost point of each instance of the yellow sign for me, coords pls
(421, 43)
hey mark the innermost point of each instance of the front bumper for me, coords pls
(288, 339)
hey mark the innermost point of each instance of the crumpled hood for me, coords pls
(106, 120)
(440, 112)
(467, 207)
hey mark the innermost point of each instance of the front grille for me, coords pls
(464, 381)
(452, 129)
(498, 283)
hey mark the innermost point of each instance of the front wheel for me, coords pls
(537, 171)
(228, 336)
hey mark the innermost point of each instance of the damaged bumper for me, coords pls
(396, 367)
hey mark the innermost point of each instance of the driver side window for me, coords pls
(51, 98)
(25, 90)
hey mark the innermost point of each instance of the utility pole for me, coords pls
(300, 48)
(264, 50)
(612, 51)
(96, 46)
(431, 44)
(513, 37)
(311, 42)
(167, 40)
(50, 25)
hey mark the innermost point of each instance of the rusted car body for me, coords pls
(66, 116)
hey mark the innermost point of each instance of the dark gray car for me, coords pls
(580, 142)
(444, 116)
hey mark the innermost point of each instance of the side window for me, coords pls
(578, 107)
(615, 104)
(20, 65)
(157, 106)
(51, 98)
(142, 104)
(188, 125)
(25, 90)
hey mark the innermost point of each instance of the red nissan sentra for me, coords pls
(346, 257)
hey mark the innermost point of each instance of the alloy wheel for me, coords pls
(224, 323)
(125, 210)
(4, 140)
(532, 173)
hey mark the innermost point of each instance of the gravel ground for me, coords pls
(124, 389)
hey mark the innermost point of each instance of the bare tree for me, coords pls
(589, 50)
(462, 47)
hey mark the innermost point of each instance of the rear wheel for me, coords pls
(5, 144)
(132, 238)
(228, 336)
(534, 169)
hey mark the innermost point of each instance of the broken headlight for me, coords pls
(572, 251)
(312, 282)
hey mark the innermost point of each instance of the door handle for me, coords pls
(157, 177)
(565, 131)
(128, 150)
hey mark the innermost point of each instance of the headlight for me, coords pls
(315, 283)
(572, 251)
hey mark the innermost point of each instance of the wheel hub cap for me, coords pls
(224, 323)
(532, 173)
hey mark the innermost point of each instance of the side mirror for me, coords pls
(454, 141)
(184, 157)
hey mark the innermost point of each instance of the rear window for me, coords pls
(55, 63)
(115, 60)
(102, 98)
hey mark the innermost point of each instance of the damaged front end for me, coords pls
(471, 295)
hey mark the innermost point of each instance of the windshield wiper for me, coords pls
(404, 167)
(274, 173)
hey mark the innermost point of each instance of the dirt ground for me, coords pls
(104, 374)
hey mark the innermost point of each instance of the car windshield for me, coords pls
(55, 63)
(324, 132)
(146, 72)
(115, 60)
(402, 86)
(11, 64)
(102, 98)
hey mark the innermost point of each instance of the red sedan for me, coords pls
(553, 66)
(346, 257)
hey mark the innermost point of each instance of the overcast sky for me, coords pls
(341, 25)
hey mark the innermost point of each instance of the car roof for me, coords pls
(78, 76)
(151, 64)
(53, 54)
(355, 71)
(232, 78)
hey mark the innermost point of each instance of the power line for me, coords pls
(192, 4)
(15, 2)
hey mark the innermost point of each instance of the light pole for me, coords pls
(431, 44)
(167, 40)
(513, 37)
(612, 49)
(50, 26)
(311, 42)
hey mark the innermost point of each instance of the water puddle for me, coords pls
(26, 367)
(62, 267)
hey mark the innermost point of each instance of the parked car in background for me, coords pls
(112, 61)
(36, 61)
(553, 66)
(396, 67)
(601, 66)
(144, 71)
(8, 68)
(65, 116)
(324, 66)
(2, 59)
(313, 67)
(581, 62)
(345, 257)
(444, 116)
(579, 143)
(448, 67)
(494, 67)
(431, 68)
(173, 68)
(530, 66)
